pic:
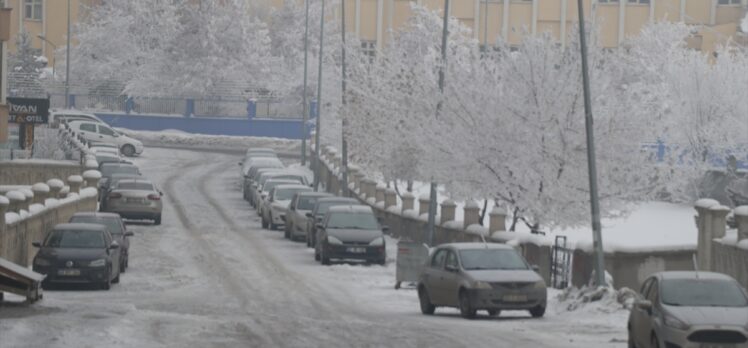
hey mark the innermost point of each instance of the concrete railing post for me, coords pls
(448, 211)
(472, 213)
(358, 179)
(719, 220)
(423, 204)
(4, 205)
(379, 194)
(75, 182)
(28, 197)
(704, 225)
(741, 217)
(408, 201)
(497, 220)
(16, 199)
(369, 188)
(41, 192)
(55, 186)
(390, 198)
(91, 177)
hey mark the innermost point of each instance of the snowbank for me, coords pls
(181, 139)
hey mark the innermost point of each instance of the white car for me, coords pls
(57, 116)
(97, 132)
(276, 204)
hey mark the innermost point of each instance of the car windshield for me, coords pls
(75, 239)
(114, 226)
(143, 186)
(354, 221)
(286, 194)
(492, 259)
(306, 202)
(109, 170)
(323, 207)
(702, 293)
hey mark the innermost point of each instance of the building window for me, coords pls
(729, 2)
(32, 9)
(638, 1)
(369, 49)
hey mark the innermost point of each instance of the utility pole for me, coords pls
(442, 72)
(591, 164)
(345, 103)
(305, 116)
(319, 99)
(67, 64)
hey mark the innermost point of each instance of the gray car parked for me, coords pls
(689, 309)
(480, 276)
(296, 219)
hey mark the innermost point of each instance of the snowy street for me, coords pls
(211, 277)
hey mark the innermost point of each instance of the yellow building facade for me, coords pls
(717, 20)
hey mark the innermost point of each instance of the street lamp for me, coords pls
(54, 54)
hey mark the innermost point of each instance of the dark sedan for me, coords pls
(350, 232)
(78, 253)
(116, 227)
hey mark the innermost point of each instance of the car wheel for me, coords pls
(128, 150)
(116, 279)
(423, 297)
(157, 220)
(537, 311)
(494, 312)
(272, 225)
(107, 284)
(323, 258)
(264, 223)
(655, 343)
(382, 262)
(123, 267)
(631, 342)
(316, 256)
(466, 308)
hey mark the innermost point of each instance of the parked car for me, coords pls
(78, 253)
(689, 309)
(106, 184)
(296, 219)
(280, 174)
(63, 116)
(318, 213)
(135, 199)
(265, 190)
(480, 276)
(277, 204)
(251, 184)
(116, 227)
(103, 158)
(259, 150)
(350, 232)
(261, 162)
(110, 168)
(98, 132)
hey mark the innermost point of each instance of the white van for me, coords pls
(100, 132)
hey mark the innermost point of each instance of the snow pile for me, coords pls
(212, 141)
(594, 299)
(11, 218)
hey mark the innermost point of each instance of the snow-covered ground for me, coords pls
(211, 277)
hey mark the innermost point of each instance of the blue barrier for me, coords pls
(275, 128)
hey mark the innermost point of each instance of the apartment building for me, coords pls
(716, 20)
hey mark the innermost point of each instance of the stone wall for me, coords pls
(28, 172)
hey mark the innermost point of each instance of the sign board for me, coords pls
(28, 111)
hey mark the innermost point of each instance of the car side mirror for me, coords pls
(319, 226)
(160, 193)
(114, 245)
(645, 305)
(385, 228)
(535, 268)
(129, 234)
(37, 244)
(451, 268)
(309, 215)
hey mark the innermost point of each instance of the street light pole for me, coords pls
(345, 103)
(591, 164)
(305, 117)
(67, 64)
(442, 73)
(319, 98)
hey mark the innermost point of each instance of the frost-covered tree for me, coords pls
(26, 59)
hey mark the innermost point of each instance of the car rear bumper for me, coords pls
(134, 211)
(498, 299)
(350, 252)
(87, 275)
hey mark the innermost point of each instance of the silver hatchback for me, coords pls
(684, 309)
(477, 276)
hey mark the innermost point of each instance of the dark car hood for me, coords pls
(501, 276)
(72, 253)
(354, 236)
(723, 316)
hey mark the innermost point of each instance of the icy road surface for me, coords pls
(211, 277)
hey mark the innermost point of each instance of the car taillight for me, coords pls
(115, 195)
(154, 197)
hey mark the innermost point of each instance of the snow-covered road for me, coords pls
(211, 277)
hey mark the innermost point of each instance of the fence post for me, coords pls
(189, 107)
(313, 111)
(251, 109)
(704, 225)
